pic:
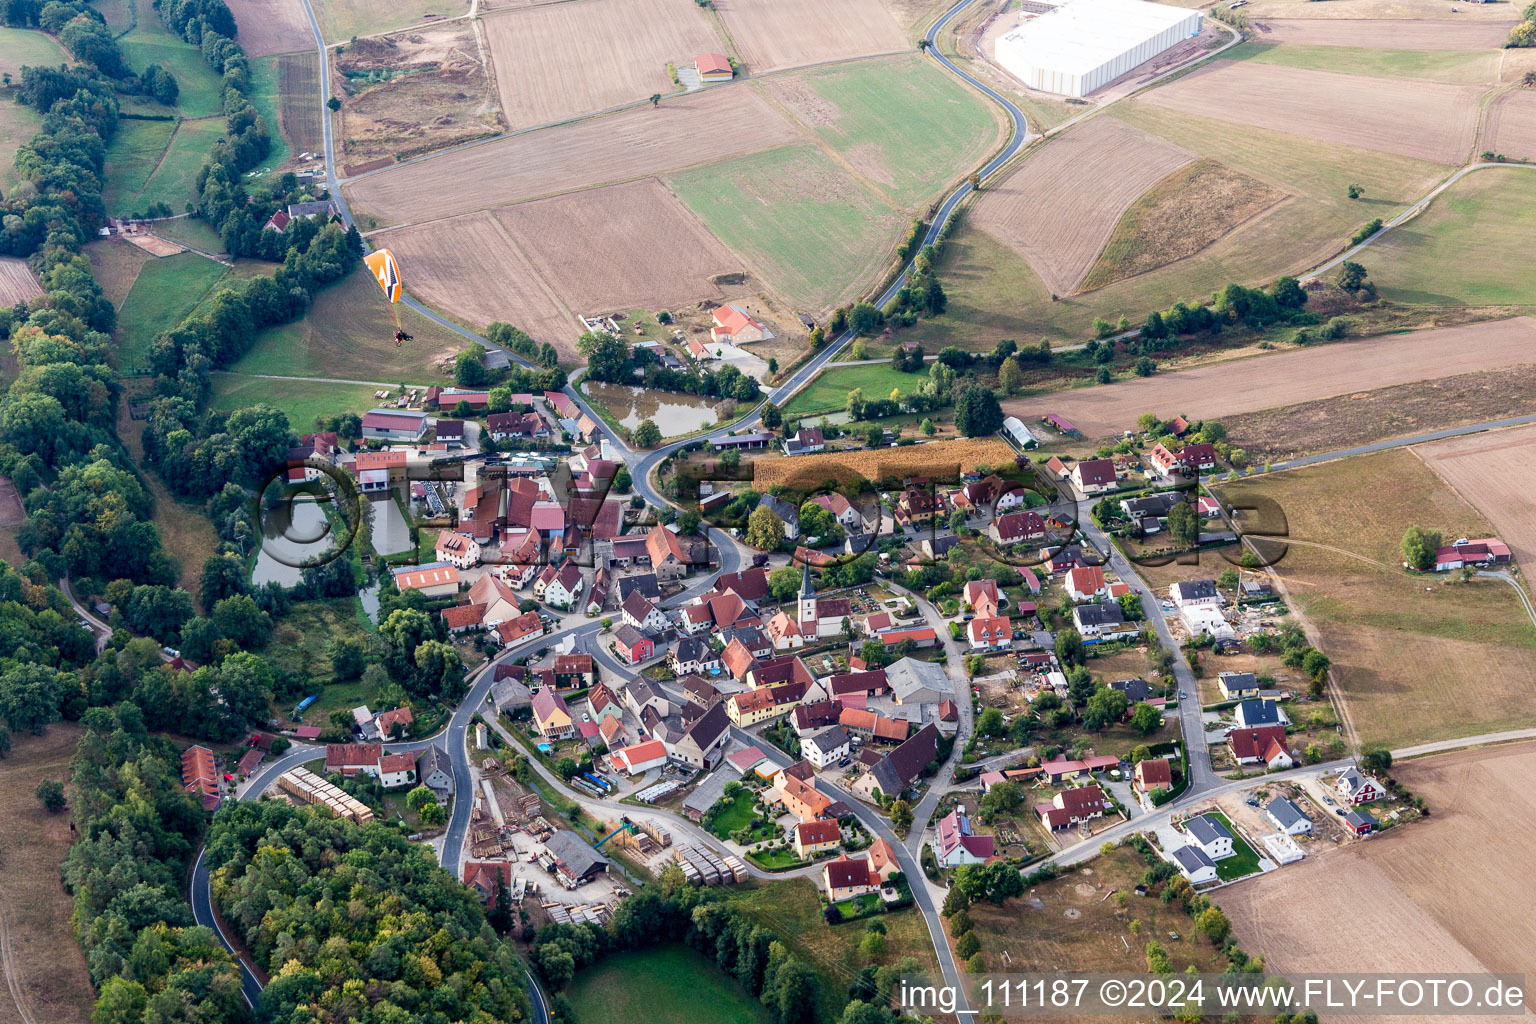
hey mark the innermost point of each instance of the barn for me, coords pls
(1083, 45)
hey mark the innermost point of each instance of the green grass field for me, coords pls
(302, 400)
(349, 333)
(737, 816)
(993, 294)
(264, 94)
(193, 231)
(1457, 250)
(132, 155)
(662, 985)
(816, 233)
(23, 46)
(1453, 66)
(172, 181)
(17, 126)
(829, 391)
(166, 290)
(909, 126)
(150, 42)
(1244, 861)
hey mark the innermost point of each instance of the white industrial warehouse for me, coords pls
(1084, 45)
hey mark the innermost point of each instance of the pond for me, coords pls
(675, 413)
(391, 533)
(292, 533)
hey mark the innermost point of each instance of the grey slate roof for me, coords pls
(828, 740)
(1257, 711)
(1285, 812)
(1192, 858)
(1206, 829)
(1191, 590)
(573, 850)
(918, 682)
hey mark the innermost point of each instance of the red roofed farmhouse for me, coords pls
(734, 327)
(713, 67)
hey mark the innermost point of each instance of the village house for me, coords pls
(641, 693)
(603, 703)
(560, 587)
(639, 757)
(733, 326)
(955, 844)
(396, 770)
(1465, 553)
(1359, 789)
(1154, 774)
(551, 717)
(871, 726)
(813, 838)
(1263, 744)
(1195, 866)
(1016, 527)
(848, 877)
(841, 508)
(1094, 620)
(436, 580)
(348, 759)
(457, 549)
(486, 877)
(763, 703)
(1213, 838)
(703, 741)
(990, 634)
(435, 770)
(895, 773)
(668, 560)
(498, 600)
(693, 656)
(1086, 583)
(796, 790)
(394, 425)
(1072, 807)
(515, 631)
(1237, 685)
(1148, 512)
(1195, 594)
(1187, 461)
(1287, 817)
(981, 597)
(1360, 823)
(918, 505)
(826, 748)
(640, 613)
(632, 645)
(1257, 712)
(1094, 476)
(807, 441)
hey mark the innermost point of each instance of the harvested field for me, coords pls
(43, 961)
(636, 38)
(1455, 67)
(1440, 124)
(17, 282)
(632, 144)
(1511, 125)
(1372, 34)
(802, 221)
(1344, 421)
(1285, 378)
(340, 20)
(1176, 218)
(616, 266)
(1403, 645)
(938, 460)
(455, 262)
(1062, 204)
(1378, 10)
(1447, 893)
(155, 245)
(299, 108)
(1496, 473)
(115, 265)
(438, 93)
(774, 34)
(272, 26)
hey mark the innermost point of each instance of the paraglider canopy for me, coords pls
(387, 271)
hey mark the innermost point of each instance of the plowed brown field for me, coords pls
(687, 131)
(1062, 204)
(17, 282)
(466, 263)
(1446, 893)
(1496, 473)
(1383, 35)
(471, 266)
(774, 34)
(271, 26)
(1427, 120)
(592, 54)
(1266, 382)
(1511, 127)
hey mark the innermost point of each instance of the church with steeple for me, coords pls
(814, 617)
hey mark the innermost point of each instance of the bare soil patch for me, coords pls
(1374, 34)
(465, 264)
(1188, 210)
(592, 54)
(774, 34)
(1439, 124)
(298, 111)
(1062, 204)
(39, 947)
(11, 511)
(617, 266)
(155, 245)
(620, 147)
(1496, 473)
(17, 282)
(1285, 378)
(1511, 125)
(115, 266)
(1343, 421)
(1446, 893)
(439, 92)
(271, 26)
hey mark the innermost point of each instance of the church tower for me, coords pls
(807, 599)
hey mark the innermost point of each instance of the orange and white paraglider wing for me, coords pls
(387, 271)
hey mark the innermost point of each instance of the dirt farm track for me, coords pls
(1449, 893)
(1270, 381)
(1496, 474)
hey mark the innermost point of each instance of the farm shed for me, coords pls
(1084, 45)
